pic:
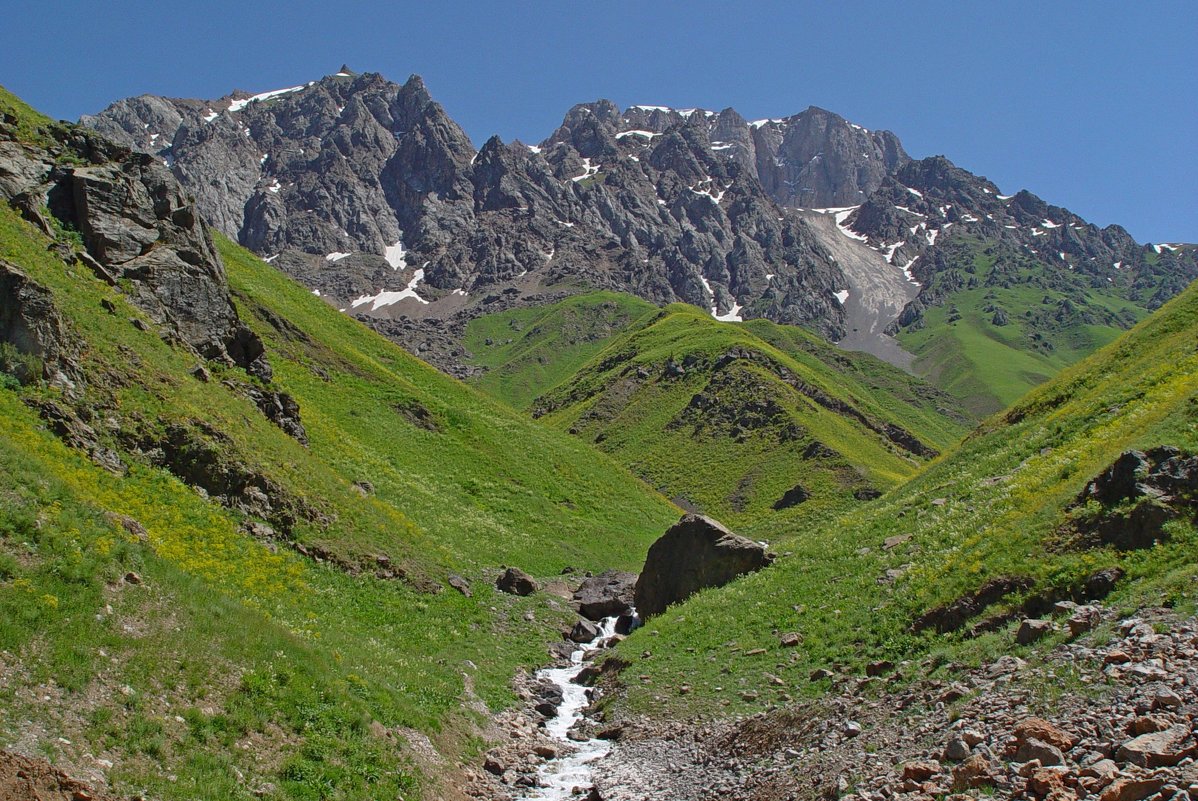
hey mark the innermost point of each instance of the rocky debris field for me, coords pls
(1110, 716)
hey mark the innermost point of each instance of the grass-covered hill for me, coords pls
(1004, 323)
(198, 603)
(946, 564)
(525, 352)
(752, 423)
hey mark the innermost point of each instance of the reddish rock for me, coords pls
(920, 771)
(1045, 781)
(1158, 749)
(1044, 731)
(1131, 789)
(973, 772)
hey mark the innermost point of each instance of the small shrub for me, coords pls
(25, 368)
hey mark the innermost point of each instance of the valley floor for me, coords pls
(1109, 715)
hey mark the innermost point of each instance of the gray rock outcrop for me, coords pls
(696, 553)
(607, 595)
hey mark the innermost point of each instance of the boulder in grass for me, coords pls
(515, 581)
(696, 553)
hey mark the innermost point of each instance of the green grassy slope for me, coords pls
(1052, 321)
(527, 352)
(720, 418)
(160, 677)
(993, 507)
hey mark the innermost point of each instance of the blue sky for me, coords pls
(1091, 105)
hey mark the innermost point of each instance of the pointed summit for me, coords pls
(346, 72)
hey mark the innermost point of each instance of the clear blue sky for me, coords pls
(1092, 105)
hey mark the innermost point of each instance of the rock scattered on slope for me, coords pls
(515, 581)
(1123, 730)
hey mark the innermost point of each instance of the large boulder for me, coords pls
(696, 553)
(607, 595)
(515, 581)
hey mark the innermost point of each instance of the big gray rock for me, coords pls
(696, 553)
(606, 595)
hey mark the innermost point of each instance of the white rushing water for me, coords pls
(558, 777)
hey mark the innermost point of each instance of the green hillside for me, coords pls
(1000, 509)
(171, 630)
(1003, 323)
(526, 352)
(732, 418)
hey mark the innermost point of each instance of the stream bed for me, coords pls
(559, 777)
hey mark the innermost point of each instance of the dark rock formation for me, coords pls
(696, 553)
(655, 204)
(137, 224)
(31, 325)
(515, 581)
(792, 497)
(584, 631)
(605, 595)
(1128, 503)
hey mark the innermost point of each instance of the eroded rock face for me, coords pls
(696, 553)
(30, 323)
(1128, 503)
(137, 224)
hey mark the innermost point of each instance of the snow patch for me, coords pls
(907, 271)
(842, 296)
(841, 214)
(1165, 246)
(1049, 224)
(654, 108)
(733, 315)
(645, 134)
(388, 298)
(211, 115)
(238, 105)
(588, 170)
(396, 256)
(763, 123)
(534, 148)
(337, 256)
(931, 235)
(274, 190)
(1004, 197)
(915, 192)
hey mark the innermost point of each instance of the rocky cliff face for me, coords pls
(924, 217)
(140, 232)
(369, 193)
(669, 205)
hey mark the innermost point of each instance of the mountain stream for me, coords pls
(559, 777)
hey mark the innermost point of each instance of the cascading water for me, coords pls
(558, 777)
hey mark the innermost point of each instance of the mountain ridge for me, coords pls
(368, 192)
